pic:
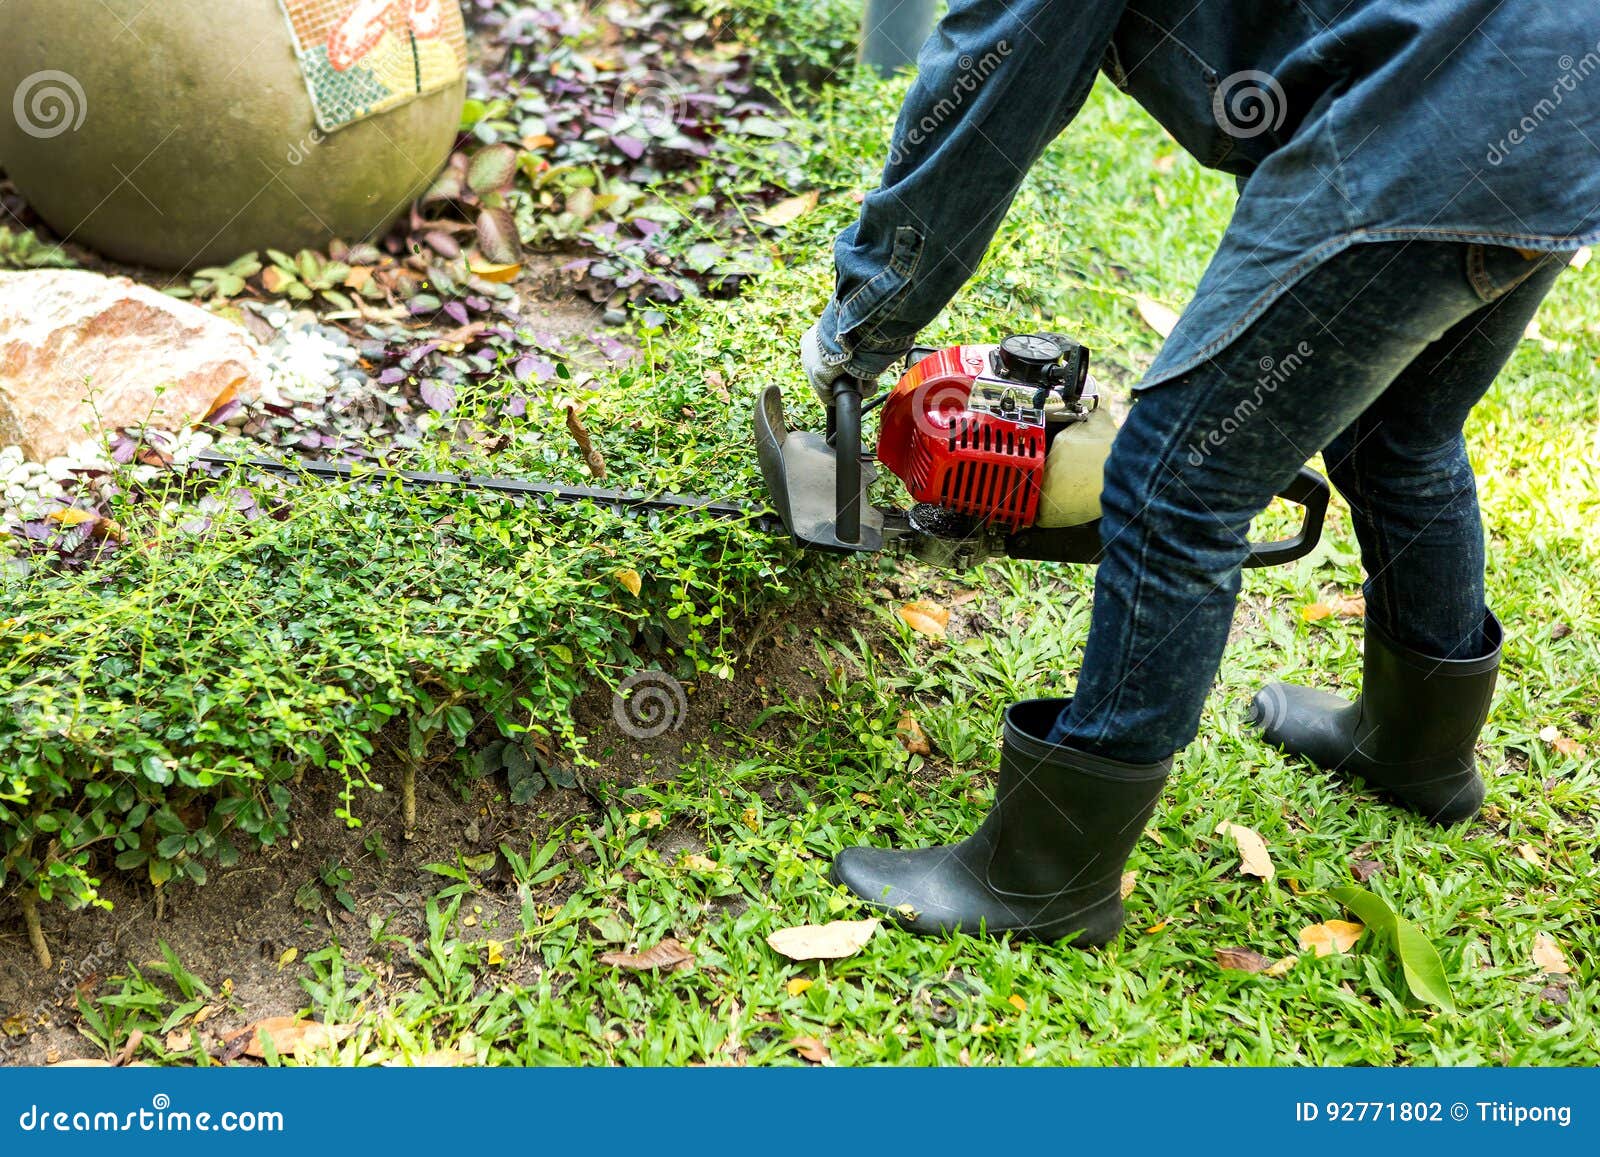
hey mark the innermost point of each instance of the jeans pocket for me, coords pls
(1171, 82)
(863, 311)
(1495, 270)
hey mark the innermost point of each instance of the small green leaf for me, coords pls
(1419, 961)
(1425, 974)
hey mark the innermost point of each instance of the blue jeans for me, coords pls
(1375, 359)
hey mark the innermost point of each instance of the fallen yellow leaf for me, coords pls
(1334, 936)
(789, 210)
(926, 618)
(1547, 954)
(1314, 612)
(288, 958)
(494, 952)
(1017, 1002)
(438, 1059)
(798, 985)
(834, 940)
(1157, 316)
(1255, 861)
(496, 272)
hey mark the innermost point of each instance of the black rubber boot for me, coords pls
(1411, 733)
(1047, 861)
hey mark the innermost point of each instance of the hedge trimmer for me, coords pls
(1001, 448)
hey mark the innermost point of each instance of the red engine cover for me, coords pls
(971, 462)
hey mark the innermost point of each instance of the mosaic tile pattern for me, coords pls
(361, 57)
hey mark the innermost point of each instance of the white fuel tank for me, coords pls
(1074, 471)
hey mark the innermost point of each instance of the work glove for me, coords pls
(818, 372)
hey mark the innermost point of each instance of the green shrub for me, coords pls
(156, 707)
(808, 42)
(159, 704)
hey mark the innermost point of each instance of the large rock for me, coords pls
(180, 133)
(81, 354)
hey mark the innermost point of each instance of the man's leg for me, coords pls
(1432, 651)
(1403, 468)
(1201, 456)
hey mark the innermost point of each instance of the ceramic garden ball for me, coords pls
(183, 133)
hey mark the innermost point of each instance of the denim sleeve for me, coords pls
(997, 81)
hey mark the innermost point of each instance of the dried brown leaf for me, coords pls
(1242, 960)
(288, 1035)
(1253, 855)
(811, 1049)
(1350, 606)
(1364, 870)
(911, 736)
(668, 954)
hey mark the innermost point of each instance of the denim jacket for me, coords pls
(1343, 120)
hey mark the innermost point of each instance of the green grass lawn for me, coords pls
(735, 843)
